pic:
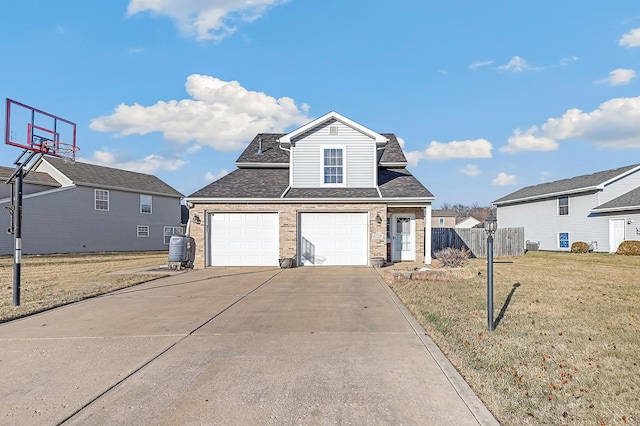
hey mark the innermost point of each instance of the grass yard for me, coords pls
(567, 348)
(52, 280)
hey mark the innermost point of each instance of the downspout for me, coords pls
(427, 235)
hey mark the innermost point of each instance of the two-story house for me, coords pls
(331, 192)
(443, 218)
(601, 209)
(80, 207)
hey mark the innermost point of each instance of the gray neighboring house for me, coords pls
(601, 209)
(332, 192)
(80, 207)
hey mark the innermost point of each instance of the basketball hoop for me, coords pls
(60, 149)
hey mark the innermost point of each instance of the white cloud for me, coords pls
(193, 149)
(615, 124)
(135, 50)
(478, 64)
(210, 177)
(401, 142)
(470, 170)
(150, 164)
(619, 77)
(205, 19)
(222, 114)
(631, 39)
(568, 60)
(504, 179)
(528, 142)
(544, 176)
(516, 64)
(479, 148)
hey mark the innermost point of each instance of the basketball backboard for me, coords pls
(39, 131)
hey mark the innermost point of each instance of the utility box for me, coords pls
(182, 252)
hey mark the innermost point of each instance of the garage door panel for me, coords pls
(244, 239)
(334, 238)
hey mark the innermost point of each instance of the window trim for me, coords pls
(343, 148)
(173, 228)
(150, 204)
(441, 221)
(560, 241)
(563, 207)
(96, 199)
(140, 234)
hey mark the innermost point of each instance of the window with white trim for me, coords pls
(563, 240)
(170, 231)
(146, 204)
(563, 205)
(333, 166)
(441, 221)
(102, 199)
(143, 231)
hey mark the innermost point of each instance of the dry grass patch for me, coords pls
(566, 349)
(54, 280)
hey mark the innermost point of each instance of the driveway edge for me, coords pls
(468, 396)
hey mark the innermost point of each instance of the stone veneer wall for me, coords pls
(289, 224)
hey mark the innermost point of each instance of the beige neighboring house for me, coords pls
(443, 218)
(331, 192)
(466, 222)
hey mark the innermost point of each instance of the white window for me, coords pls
(143, 231)
(563, 205)
(145, 204)
(441, 221)
(333, 162)
(102, 200)
(563, 240)
(170, 231)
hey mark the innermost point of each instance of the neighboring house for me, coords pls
(80, 207)
(443, 218)
(329, 193)
(467, 222)
(601, 209)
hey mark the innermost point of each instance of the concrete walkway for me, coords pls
(232, 346)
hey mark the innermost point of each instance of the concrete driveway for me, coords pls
(233, 346)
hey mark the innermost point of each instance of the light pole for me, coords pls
(490, 226)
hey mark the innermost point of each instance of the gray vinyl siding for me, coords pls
(360, 161)
(65, 221)
(542, 223)
(619, 187)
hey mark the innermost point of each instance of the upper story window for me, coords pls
(441, 221)
(102, 199)
(333, 166)
(563, 205)
(145, 204)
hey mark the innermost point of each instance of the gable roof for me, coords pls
(443, 213)
(85, 174)
(576, 184)
(628, 201)
(36, 178)
(329, 117)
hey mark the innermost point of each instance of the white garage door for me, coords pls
(334, 239)
(244, 239)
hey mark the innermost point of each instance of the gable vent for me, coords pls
(333, 130)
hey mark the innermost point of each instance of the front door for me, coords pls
(403, 241)
(616, 234)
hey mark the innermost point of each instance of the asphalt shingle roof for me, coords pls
(392, 151)
(444, 213)
(271, 152)
(272, 183)
(38, 178)
(91, 174)
(565, 185)
(625, 201)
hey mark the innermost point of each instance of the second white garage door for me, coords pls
(334, 239)
(244, 239)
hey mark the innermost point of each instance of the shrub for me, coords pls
(579, 247)
(629, 248)
(453, 258)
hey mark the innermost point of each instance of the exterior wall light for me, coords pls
(378, 218)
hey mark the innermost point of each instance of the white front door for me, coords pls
(616, 234)
(403, 237)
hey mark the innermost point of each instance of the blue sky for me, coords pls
(488, 97)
